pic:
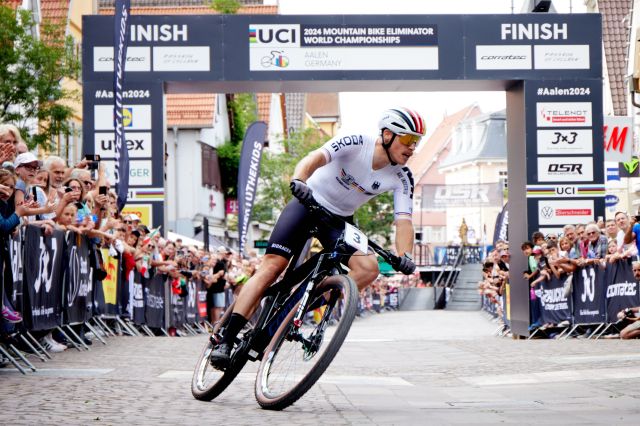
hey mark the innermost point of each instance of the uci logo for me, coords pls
(274, 35)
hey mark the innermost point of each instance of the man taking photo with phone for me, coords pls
(633, 232)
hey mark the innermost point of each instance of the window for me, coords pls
(210, 167)
(502, 176)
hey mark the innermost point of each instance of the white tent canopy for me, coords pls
(172, 236)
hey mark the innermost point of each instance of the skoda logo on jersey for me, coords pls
(375, 185)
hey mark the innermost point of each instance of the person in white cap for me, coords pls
(26, 166)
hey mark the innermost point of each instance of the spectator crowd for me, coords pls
(596, 244)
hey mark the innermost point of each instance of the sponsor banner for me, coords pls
(629, 168)
(191, 314)
(146, 194)
(110, 285)
(613, 173)
(565, 169)
(138, 59)
(588, 295)
(154, 301)
(177, 317)
(138, 144)
(202, 302)
(135, 117)
(309, 47)
(622, 289)
(143, 211)
(137, 296)
(563, 114)
(611, 200)
(565, 141)
(562, 212)
(554, 305)
(231, 206)
(181, 58)
(501, 228)
(439, 197)
(618, 138)
(503, 57)
(16, 254)
(77, 279)
(344, 59)
(248, 174)
(140, 171)
(565, 191)
(561, 56)
(43, 278)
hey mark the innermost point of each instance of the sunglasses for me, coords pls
(151, 247)
(127, 222)
(591, 233)
(87, 182)
(408, 140)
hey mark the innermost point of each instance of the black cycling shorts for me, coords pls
(293, 229)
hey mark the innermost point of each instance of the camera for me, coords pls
(92, 161)
(628, 313)
(637, 218)
(186, 273)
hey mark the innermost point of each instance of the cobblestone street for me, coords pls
(431, 367)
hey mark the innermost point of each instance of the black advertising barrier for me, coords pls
(106, 291)
(622, 289)
(190, 303)
(177, 318)
(77, 279)
(555, 305)
(202, 301)
(125, 290)
(137, 297)
(154, 301)
(588, 295)
(43, 278)
(16, 245)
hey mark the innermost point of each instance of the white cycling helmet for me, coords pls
(402, 121)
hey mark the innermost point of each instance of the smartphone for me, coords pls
(92, 157)
(35, 193)
(638, 218)
(67, 189)
(102, 190)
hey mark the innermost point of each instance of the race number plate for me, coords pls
(355, 238)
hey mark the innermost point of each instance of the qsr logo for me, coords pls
(274, 35)
(564, 114)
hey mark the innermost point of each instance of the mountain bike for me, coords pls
(303, 320)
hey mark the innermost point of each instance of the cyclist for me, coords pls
(343, 174)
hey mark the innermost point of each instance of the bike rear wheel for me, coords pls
(208, 382)
(296, 357)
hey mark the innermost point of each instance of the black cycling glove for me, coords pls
(300, 190)
(404, 264)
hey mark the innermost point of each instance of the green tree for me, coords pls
(375, 217)
(229, 7)
(31, 73)
(276, 171)
(243, 112)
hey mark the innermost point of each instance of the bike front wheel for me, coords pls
(297, 356)
(208, 382)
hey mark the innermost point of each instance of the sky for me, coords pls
(360, 110)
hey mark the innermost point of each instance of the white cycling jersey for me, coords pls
(348, 180)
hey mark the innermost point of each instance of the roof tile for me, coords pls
(191, 110)
(192, 10)
(616, 36)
